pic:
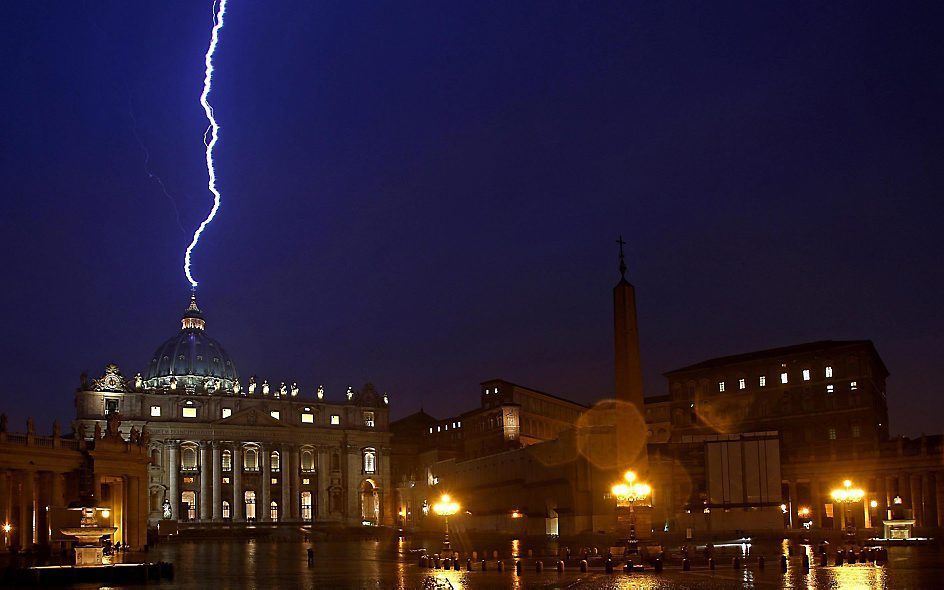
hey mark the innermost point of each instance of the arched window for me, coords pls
(308, 461)
(155, 457)
(226, 512)
(274, 460)
(370, 460)
(251, 460)
(250, 499)
(274, 511)
(227, 460)
(188, 500)
(335, 462)
(188, 459)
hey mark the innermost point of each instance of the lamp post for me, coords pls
(628, 494)
(446, 508)
(847, 494)
(7, 527)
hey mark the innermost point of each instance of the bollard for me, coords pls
(658, 565)
(596, 551)
(468, 564)
(583, 566)
(457, 565)
(711, 563)
(501, 566)
(484, 566)
(609, 565)
(806, 561)
(687, 565)
(839, 557)
(560, 566)
(823, 560)
(438, 563)
(518, 567)
(629, 566)
(736, 563)
(783, 563)
(760, 562)
(422, 561)
(539, 566)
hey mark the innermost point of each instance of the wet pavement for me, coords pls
(232, 564)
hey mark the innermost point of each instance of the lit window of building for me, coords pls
(226, 512)
(111, 406)
(189, 412)
(227, 412)
(251, 460)
(830, 389)
(227, 460)
(306, 481)
(742, 383)
(430, 429)
(308, 418)
(306, 505)
(832, 434)
(806, 374)
(370, 460)
(460, 424)
(274, 463)
(155, 411)
(369, 419)
(853, 385)
(335, 419)
(274, 414)
(225, 480)
(721, 386)
(829, 372)
(762, 381)
(783, 377)
(275, 481)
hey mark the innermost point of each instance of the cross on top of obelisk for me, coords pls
(622, 265)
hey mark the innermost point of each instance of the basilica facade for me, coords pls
(226, 452)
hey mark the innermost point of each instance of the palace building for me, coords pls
(225, 452)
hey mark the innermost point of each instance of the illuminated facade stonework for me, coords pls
(223, 451)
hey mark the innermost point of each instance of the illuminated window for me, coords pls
(226, 512)
(274, 461)
(742, 383)
(227, 412)
(111, 406)
(832, 434)
(227, 460)
(273, 511)
(274, 414)
(249, 497)
(188, 459)
(829, 372)
(189, 412)
(251, 460)
(783, 377)
(275, 481)
(720, 385)
(225, 480)
(829, 389)
(370, 460)
(459, 423)
(155, 411)
(762, 381)
(308, 418)
(853, 386)
(806, 374)
(306, 481)
(430, 429)
(335, 419)
(308, 461)
(306, 505)
(369, 419)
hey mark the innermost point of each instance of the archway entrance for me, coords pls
(370, 503)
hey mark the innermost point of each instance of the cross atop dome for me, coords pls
(193, 317)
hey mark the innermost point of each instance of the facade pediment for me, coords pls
(250, 417)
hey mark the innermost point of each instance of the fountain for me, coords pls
(89, 551)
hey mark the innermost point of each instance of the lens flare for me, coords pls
(212, 131)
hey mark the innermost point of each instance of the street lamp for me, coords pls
(446, 508)
(630, 493)
(7, 527)
(847, 495)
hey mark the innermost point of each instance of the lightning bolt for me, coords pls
(212, 132)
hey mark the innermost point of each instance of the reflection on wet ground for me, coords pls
(231, 564)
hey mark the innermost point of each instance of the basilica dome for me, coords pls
(191, 361)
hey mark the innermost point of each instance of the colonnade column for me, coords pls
(262, 509)
(206, 476)
(916, 503)
(794, 501)
(286, 509)
(27, 490)
(173, 475)
(939, 497)
(237, 509)
(928, 509)
(817, 503)
(216, 464)
(322, 488)
(5, 497)
(296, 483)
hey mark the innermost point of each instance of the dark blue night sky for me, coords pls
(427, 195)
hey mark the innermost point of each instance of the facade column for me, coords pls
(216, 464)
(817, 503)
(27, 491)
(238, 502)
(321, 492)
(57, 495)
(891, 489)
(173, 476)
(5, 495)
(794, 501)
(206, 475)
(904, 489)
(916, 503)
(928, 512)
(939, 497)
(286, 509)
(296, 483)
(262, 509)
